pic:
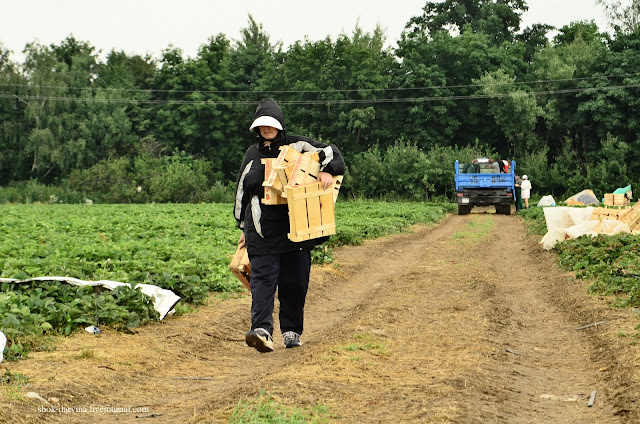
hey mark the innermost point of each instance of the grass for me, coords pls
(366, 342)
(477, 229)
(267, 409)
(87, 354)
(534, 218)
(11, 384)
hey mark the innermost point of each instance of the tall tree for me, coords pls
(124, 84)
(515, 111)
(451, 65)
(623, 14)
(330, 90)
(565, 72)
(12, 123)
(191, 108)
(500, 19)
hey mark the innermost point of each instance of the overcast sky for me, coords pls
(149, 26)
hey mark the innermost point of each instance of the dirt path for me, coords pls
(466, 322)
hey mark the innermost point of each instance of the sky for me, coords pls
(150, 26)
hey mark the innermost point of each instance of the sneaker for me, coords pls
(291, 339)
(260, 339)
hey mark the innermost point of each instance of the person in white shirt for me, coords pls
(525, 190)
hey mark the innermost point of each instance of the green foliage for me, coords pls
(462, 73)
(50, 308)
(34, 192)
(13, 378)
(266, 409)
(178, 178)
(405, 171)
(179, 181)
(534, 217)
(515, 111)
(610, 263)
(164, 245)
(361, 220)
(500, 20)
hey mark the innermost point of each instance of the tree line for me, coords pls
(464, 80)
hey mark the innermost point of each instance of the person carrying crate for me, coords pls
(277, 263)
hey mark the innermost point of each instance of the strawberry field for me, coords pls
(184, 248)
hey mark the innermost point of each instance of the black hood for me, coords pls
(269, 107)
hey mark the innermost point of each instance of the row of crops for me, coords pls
(184, 248)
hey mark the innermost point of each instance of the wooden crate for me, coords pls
(240, 266)
(305, 169)
(620, 200)
(609, 213)
(311, 211)
(272, 195)
(274, 181)
(632, 218)
(617, 199)
(337, 183)
(284, 163)
(608, 199)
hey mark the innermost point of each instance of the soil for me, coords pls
(469, 321)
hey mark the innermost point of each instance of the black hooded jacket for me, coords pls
(266, 226)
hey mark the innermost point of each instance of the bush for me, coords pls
(405, 171)
(180, 182)
(110, 181)
(179, 178)
(34, 192)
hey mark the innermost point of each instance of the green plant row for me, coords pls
(185, 248)
(610, 263)
(31, 312)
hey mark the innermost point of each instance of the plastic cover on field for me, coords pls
(585, 197)
(163, 300)
(3, 343)
(565, 222)
(547, 201)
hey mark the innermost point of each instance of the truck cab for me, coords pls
(485, 182)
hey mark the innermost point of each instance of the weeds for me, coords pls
(266, 409)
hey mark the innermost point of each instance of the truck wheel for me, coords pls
(464, 209)
(502, 209)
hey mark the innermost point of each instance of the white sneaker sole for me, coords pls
(260, 343)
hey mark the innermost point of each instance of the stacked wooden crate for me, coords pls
(632, 217)
(618, 199)
(628, 215)
(292, 179)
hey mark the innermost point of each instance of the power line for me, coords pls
(351, 90)
(423, 99)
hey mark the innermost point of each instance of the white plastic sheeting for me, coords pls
(547, 201)
(566, 222)
(163, 300)
(3, 343)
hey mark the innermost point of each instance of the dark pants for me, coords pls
(289, 273)
(518, 199)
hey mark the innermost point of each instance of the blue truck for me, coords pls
(485, 182)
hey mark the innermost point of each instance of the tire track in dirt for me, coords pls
(539, 368)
